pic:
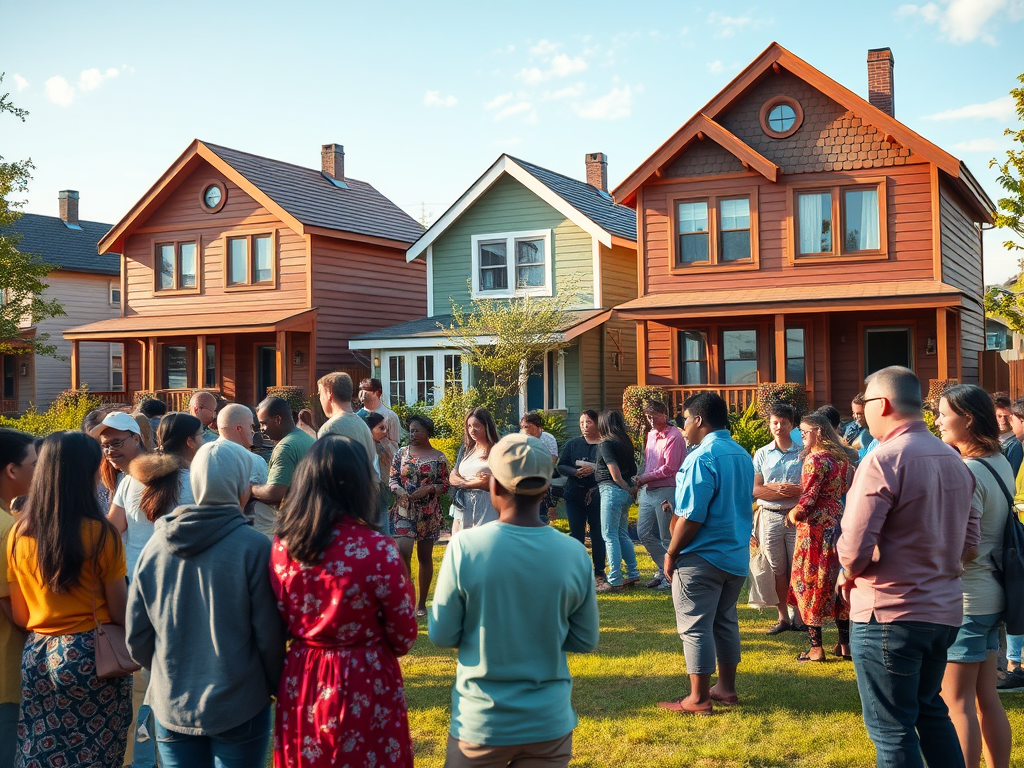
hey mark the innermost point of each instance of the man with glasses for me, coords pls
(236, 424)
(203, 406)
(907, 528)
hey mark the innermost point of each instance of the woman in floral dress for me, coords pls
(419, 475)
(348, 606)
(825, 478)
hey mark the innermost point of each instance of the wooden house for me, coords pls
(792, 231)
(524, 230)
(240, 272)
(88, 287)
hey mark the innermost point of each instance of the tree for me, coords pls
(506, 338)
(21, 274)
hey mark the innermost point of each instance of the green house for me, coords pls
(524, 230)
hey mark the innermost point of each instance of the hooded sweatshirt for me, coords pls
(201, 615)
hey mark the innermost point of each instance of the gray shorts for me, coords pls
(705, 601)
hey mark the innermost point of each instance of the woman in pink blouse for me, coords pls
(348, 604)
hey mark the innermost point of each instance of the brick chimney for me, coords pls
(880, 91)
(68, 199)
(597, 170)
(332, 161)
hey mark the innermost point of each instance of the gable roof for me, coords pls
(303, 198)
(583, 204)
(774, 58)
(73, 250)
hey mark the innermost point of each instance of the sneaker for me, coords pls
(1011, 682)
(665, 585)
(656, 581)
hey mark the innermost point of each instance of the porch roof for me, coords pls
(802, 298)
(212, 324)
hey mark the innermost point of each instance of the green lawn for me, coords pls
(790, 714)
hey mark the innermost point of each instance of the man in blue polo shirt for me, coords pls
(708, 556)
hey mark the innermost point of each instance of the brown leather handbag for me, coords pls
(112, 657)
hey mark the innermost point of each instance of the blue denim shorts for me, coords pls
(978, 636)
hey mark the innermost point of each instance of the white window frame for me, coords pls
(559, 376)
(114, 286)
(411, 381)
(116, 352)
(510, 239)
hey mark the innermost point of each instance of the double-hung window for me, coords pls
(177, 266)
(512, 264)
(846, 221)
(250, 261)
(718, 230)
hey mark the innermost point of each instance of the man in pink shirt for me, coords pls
(907, 525)
(663, 456)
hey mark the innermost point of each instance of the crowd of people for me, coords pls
(264, 603)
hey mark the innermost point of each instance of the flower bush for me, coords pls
(65, 413)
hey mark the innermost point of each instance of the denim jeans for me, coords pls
(615, 503)
(1014, 645)
(652, 523)
(581, 514)
(244, 746)
(8, 734)
(899, 669)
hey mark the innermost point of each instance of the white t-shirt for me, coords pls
(549, 442)
(128, 496)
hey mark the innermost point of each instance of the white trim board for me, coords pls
(505, 164)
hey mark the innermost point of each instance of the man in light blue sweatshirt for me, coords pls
(512, 695)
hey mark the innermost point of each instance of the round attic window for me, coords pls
(213, 197)
(781, 117)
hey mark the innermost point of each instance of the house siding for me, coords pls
(962, 267)
(508, 206)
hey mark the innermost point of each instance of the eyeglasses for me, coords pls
(113, 445)
(872, 399)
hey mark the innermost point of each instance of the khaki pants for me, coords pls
(543, 754)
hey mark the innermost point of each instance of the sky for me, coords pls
(424, 97)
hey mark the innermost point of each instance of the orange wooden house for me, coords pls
(239, 272)
(792, 231)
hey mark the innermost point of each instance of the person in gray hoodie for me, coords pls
(203, 619)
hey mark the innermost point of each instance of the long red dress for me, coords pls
(815, 560)
(340, 702)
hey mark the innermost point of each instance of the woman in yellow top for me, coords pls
(65, 561)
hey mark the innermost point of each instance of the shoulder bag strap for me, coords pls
(1002, 485)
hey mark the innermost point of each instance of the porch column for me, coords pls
(941, 342)
(641, 353)
(201, 361)
(151, 364)
(312, 361)
(282, 358)
(76, 365)
(780, 348)
(142, 363)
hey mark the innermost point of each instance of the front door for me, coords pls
(266, 370)
(885, 346)
(176, 359)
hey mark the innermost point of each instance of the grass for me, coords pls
(790, 714)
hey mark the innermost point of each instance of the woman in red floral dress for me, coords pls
(825, 478)
(348, 605)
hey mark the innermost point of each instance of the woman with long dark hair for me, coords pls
(348, 606)
(578, 462)
(616, 467)
(471, 474)
(156, 483)
(824, 478)
(67, 570)
(967, 421)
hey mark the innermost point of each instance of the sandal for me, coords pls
(805, 656)
(779, 628)
(729, 701)
(421, 613)
(837, 651)
(682, 707)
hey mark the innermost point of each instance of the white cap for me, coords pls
(116, 420)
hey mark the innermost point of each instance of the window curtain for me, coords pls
(811, 210)
(866, 221)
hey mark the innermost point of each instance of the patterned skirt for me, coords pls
(815, 573)
(69, 717)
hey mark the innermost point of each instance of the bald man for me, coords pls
(237, 424)
(203, 406)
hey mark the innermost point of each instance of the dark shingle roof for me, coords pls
(588, 200)
(310, 197)
(428, 326)
(73, 250)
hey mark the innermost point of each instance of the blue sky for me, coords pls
(425, 96)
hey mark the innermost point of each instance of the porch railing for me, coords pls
(8, 406)
(113, 398)
(737, 397)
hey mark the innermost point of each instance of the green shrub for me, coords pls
(449, 446)
(405, 410)
(633, 401)
(65, 413)
(294, 396)
(770, 393)
(749, 428)
(929, 420)
(554, 424)
(143, 395)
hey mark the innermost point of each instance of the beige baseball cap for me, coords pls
(521, 464)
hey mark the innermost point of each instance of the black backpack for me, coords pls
(1010, 563)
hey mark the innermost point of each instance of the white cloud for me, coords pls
(498, 100)
(544, 48)
(59, 91)
(615, 104)
(513, 142)
(518, 108)
(1002, 108)
(91, 79)
(716, 67)
(531, 75)
(728, 26)
(435, 99)
(964, 21)
(569, 92)
(978, 145)
(563, 66)
(20, 82)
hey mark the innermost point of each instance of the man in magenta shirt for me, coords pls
(663, 456)
(907, 526)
